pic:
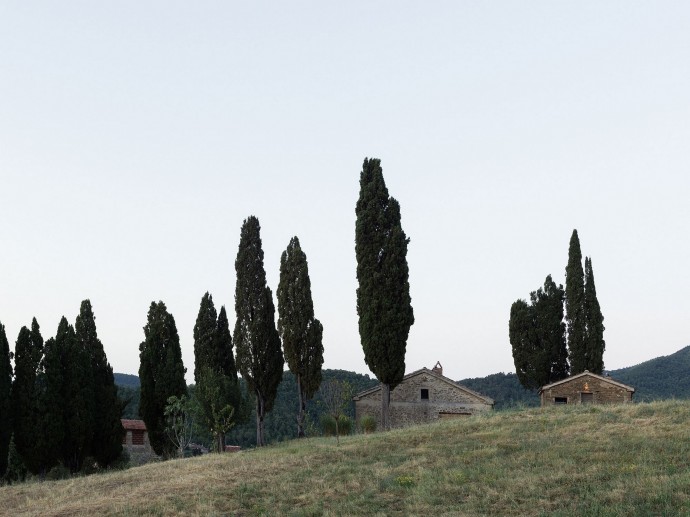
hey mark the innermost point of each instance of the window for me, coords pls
(586, 398)
(560, 400)
(425, 394)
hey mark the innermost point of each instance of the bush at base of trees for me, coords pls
(328, 425)
(367, 424)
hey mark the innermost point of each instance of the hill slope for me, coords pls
(572, 460)
(660, 378)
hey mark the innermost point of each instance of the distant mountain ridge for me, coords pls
(659, 378)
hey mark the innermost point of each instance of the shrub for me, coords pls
(368, 424)
(328, 425)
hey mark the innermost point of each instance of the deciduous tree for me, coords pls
(259, 358)
(383, 296)
(301, 332)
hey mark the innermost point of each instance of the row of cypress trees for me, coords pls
(541, 352)
(257, 341)
(60, 403)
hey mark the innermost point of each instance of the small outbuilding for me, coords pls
(586, 388)
(136, 442)
(422, 396)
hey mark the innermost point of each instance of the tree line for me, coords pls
(561, 331)
(60, 403)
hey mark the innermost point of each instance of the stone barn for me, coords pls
(136, 442)
(586, 388)
(422, 396)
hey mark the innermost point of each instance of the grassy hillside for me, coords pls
(587, 460)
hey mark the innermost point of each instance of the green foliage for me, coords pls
(328, 427)
(505, 389)
(259, 358)
(5, 404)
(368, 424)
(537, 336)
(27, 418)
(301, 332)
(575, 306)
(594, 338)
(218, 398)
(217, 389)
(161, 374)
(105, 407)
(383, 297)
(179, 422)
(16, 470)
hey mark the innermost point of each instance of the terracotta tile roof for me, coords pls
(133, 425)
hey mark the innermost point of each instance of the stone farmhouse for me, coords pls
(586, 388)
(422, 396)
(136, 442)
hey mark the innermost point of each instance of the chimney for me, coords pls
(438, 368)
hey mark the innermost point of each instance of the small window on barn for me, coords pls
(425, 394)
(560, 400)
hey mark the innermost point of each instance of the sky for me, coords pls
(136, 137)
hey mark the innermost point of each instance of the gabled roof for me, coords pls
(133, 425)
(590, 374)
(426, 371)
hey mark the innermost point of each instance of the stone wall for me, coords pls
(407, 406)
(139, 454)
(598, 390)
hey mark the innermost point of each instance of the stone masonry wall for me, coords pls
(603, 392)
(407, 406)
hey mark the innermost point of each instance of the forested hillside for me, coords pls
(504, 388)
(660, 378)
(281, 423)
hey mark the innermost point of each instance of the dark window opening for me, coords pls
(560, 400)
(586, 398)
(425, 394)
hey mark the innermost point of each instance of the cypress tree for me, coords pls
(105, 407)
(259, 358)
(68, 398)
(205, 355)
(5, 393)
(301, 332)
(575, 306)
(52, 403)
(214, 371)
(26, 417)
(383, 296)
(537, 336)
(161, 374)
(595, 344)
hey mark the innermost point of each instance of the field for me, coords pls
(588, 460)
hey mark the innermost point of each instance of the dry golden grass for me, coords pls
(614, 460)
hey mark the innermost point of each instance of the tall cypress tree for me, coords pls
(595, 344)
(26, 417)
(5, 393)
(537, 336)
(205, 354)
(259, 358)
(302, 333)
(68, 396)
(106, 410)
(161, 374)
(214, 370)
(383, 296)
(575, 306)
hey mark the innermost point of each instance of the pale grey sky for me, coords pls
(135, 137)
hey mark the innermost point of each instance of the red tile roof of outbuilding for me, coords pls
(133, 425)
